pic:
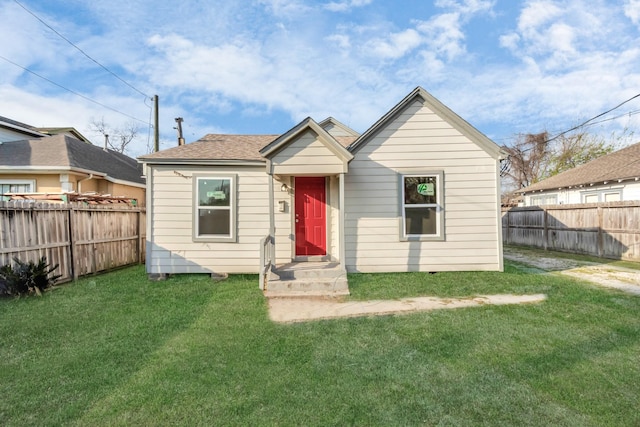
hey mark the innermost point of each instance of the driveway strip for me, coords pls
(286, 310)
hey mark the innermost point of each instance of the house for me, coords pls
(610, 178)
(12, 130)
(59, 164)
(418, 191)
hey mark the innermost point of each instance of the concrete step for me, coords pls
(308, 279)
(308, 270)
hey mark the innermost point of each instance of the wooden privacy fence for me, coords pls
(82, 239)
(607, 230)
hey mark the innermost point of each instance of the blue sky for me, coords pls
(261, 66)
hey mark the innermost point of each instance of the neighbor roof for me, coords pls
(15, 125)
(70, 130)
(61, 152)
(618, 166)
(215, 147)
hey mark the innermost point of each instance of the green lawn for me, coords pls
(117, 349)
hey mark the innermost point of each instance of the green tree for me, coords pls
(575, 150)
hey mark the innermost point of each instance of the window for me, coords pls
(609, 195)
(214, 216)
(544, 199)
(16, 186)
(612, 197)
(421, 206)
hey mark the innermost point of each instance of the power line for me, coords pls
(588, 122)
(592, 119)
(73, 92)
(506, 163)
(82, 51)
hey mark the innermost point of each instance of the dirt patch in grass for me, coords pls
(305, 309)
(603, 274)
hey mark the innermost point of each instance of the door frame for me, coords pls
(303, 258)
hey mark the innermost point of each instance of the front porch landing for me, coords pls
(306, 279)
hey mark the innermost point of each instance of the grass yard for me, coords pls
(117, 349)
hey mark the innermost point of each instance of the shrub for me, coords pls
(26, 277)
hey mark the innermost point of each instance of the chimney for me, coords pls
(179, 121)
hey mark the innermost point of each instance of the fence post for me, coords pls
(139, 231)
(508, 236)
(600, 237)
(72, 244)
(545, 229)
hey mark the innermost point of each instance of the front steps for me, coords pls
(307, 279)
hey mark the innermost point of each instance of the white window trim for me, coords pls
(533, 197)
(601, 193)
(233, 208)
(439, 236)
(29, 182)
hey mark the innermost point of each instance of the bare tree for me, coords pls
(534, 157)
(528, 157)
(117, 138)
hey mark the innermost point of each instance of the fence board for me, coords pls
(609, 230)
(80, 239)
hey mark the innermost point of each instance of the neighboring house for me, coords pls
(609, 178)
(418, 191)
(61, 164)
(11, 130)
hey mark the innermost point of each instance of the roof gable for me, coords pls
(337, 129)
(621, 165)
(70, 131)
(307, 124)
(438, 108)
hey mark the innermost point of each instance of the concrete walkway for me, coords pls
(305, 309)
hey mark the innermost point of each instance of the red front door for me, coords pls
(310, 216)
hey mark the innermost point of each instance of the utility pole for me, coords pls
(156, 126)
(179, 121)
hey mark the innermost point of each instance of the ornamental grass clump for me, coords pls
(26, 278)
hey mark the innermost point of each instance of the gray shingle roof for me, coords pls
(213, 147)
(62, 151)
(621, 165)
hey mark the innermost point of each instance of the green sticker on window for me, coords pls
(218, 195)
(426, 189)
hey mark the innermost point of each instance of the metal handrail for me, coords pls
(267, 259)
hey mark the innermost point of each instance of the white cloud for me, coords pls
(444, 35)
(556, 34)
(345, 5)
(396, 45)
(467, 7)
(342, 41)
(285, 8)
(632, 10)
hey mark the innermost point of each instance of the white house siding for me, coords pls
(172, 249)
(419, 140)
(628, 190)
(283, 220)
(333, 231)
(306, 155)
